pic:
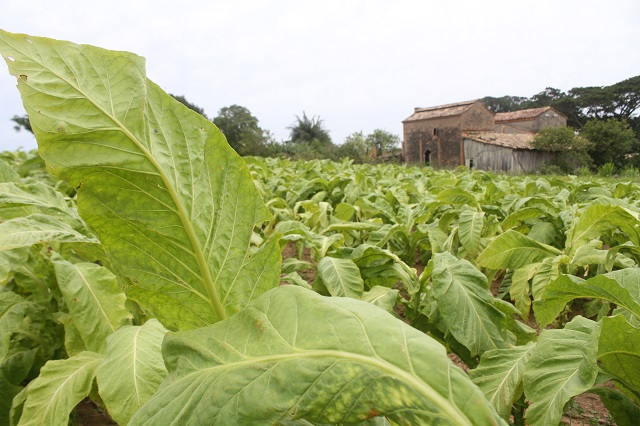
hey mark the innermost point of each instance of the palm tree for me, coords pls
(309, 130)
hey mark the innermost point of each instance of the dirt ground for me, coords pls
(89, 413)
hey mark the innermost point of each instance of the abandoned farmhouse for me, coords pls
(468, 133)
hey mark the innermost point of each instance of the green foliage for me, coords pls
(504, 103)
(242, 131)
(356, 146)
(383, 140)
(611, 141)
(571, 150)
(355, 374)
(177, 236)
(180, 225)
(185, 102)
(309, 131)
(22, 123)
(366, 148)
(619, 101)
(551, 381)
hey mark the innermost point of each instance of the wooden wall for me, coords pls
(502, 158)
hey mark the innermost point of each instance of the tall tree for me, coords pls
(309, 131)
(611, 141)
(22, 123)
(242, 130)
(185, 102)
(355, 146)
(383, 141)
(504, 103)
(570, 150)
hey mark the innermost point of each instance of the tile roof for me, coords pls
(524, 114)
(510, 140)
(447, 110)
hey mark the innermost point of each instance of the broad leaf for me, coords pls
(10, 260)
(95, 301)
(619, 351)
(623, 410)
(597, 220)
(60, 386)
(466, 304)
(513, 250)
(36, 228)
(172, 203)
(457, 196)
(38, 195)
(132, 370)
(358, 362)
(8, 173)
(500, 374)
(470, 231)
(568, 287)
(517, 217)
(547, 271)
(551, 380)
(341, 277)
(520, 290)
(382, 297)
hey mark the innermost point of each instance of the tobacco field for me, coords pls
(147, 267)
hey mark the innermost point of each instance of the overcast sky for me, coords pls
(358, 65)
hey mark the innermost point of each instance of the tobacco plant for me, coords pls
(174, 208)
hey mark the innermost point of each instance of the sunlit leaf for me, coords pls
(466, 304)
(359, 362)
(60, 386)
(132, 369)
(500, 374)
(172, 203)
(513, 250)
(550, 381)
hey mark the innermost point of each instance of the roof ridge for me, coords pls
(456, 104)
(522, 114)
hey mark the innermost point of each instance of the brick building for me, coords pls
(468, 133)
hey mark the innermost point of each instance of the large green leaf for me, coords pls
(60, 386)
(624, 410)
(470, 231)
(382, 297)
(520, 290)
(36, 228)
(132, 370)
(500, 374)
(8, 173)
(457, 196)
(349, 361)
(597, 220)
(519, 216)
(605, 287)
(172, 203)
(35, 194)
(619, 351)
(466, 305)
(341, 277)
(561, 366)
(513, 250)
(95, 301)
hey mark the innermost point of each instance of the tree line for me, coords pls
(604, 126)
(604, 129)
(308, 136)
